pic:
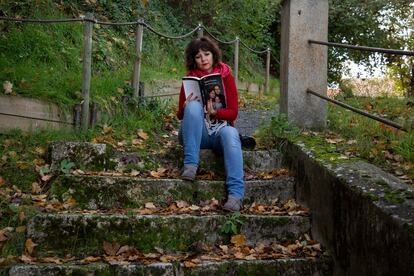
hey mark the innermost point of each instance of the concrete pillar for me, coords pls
(304, 65)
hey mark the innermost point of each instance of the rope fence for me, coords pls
(88, 20)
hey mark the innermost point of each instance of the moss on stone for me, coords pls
(371, 196)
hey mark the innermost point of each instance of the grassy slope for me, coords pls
(45, 61)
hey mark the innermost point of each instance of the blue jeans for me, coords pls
(193, 136)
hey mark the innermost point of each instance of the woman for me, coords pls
(203, 57)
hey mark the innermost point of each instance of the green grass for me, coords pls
(362, 137)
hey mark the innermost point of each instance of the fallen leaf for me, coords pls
(29, 246)
(239, 255)
(55, 260)
(225, 248)
(21, 229)
(155, 174)
(334, 141)
(250, 258)
(142, 134)
(2, 181)
(134, 173)
(36, 189)
(194, 208)
(8, 87)
(127, 250)
(22, 216)
(290, 205)
(182, 204)
(5, 233)
(27, 259)
(78, 172)
(150, 205)
(238, 240)
(136, 142)
(46, 177)
(151, 255)
(91, 259)
(189, 264)
(111, 248)
(106, 129)
(40, 151)
(69, 203)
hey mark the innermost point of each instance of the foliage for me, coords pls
(51, 67)
(367, 23)
(350, 135)
(232, 225)
(66, 166)
(270, 134)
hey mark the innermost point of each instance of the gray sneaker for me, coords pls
(233, 204)
(189, 172)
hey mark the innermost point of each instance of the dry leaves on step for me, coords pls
(110, 249)
(238, 240)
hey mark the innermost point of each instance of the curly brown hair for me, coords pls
(205, 44)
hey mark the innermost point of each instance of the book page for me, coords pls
(191, 86)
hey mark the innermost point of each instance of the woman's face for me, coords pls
(204, 60)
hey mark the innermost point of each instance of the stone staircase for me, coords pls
(125, 225)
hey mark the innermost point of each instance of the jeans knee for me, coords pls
(193, 109)
(230, 136)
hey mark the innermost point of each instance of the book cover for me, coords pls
(210, 92)
(209, 89)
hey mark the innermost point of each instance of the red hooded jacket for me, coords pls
(230, 112)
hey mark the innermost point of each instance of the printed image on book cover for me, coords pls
(214, 98)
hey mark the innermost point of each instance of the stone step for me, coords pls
(103, 192)
(281, 267)
(253, 161)
(84, 234)
(96, 157)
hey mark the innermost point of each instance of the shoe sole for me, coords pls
(188, 178)
(230, 210)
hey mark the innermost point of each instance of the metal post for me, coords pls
(138, 56)
(267, 76)
(87, 63)
(200, 31)
(236, 59)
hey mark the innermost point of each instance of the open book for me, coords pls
(210, 92)
(208, 89)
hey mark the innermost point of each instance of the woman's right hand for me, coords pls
(190, 98)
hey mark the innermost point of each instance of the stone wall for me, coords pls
(364, 216)
(23, 110)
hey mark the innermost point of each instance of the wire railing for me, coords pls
(354, 109)
(364, 48)
(357, 110)
(89, 21)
